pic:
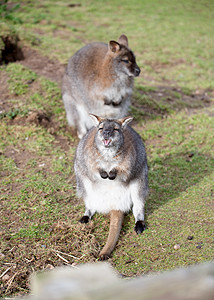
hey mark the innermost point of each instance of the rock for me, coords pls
(177, 247)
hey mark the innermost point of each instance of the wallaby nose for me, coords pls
(106, 134)
(137, 71)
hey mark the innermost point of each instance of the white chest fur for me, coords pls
(117, 92)
(106, 195)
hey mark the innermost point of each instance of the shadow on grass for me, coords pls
(170, 176)
(159, 101)
(173, 175)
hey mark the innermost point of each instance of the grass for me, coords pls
(19, 79)
(181, 184)
(166, 38)
(173, 111)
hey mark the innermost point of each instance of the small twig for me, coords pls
(62, 258)
(32, 268)
(82, 256)
(11, 249)
(66, 261)
(5, 272)
(72, 266)
(29, 260)
(66, 254)
(10, 281)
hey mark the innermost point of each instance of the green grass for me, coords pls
(174, 39)
(180, 151)
(19, 79)
(39, 93)
(173, 111)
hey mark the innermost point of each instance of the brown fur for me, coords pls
(116, 221)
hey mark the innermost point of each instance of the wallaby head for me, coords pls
(123, 57)
(110, 132)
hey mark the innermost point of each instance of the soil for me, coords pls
(12, 51)
(42, 65)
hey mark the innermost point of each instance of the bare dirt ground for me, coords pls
(42, 65)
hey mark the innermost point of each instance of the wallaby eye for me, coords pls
(125, 61)
(100, 129)
(116, 129)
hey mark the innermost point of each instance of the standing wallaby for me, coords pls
(99, 79)
(112, 175)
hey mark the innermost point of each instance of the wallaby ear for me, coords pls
(125, 121)
(114, 46)
(97, 120)
(123, 40)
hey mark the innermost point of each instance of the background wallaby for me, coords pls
(99, 80)
(112, 175)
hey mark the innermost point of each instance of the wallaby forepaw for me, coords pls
(84, 220)
(112, 174)
(103, 174)
(139, 227)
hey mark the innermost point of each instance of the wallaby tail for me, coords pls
(116, 220)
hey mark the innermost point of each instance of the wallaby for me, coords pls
(99, 79)
(112, 175)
